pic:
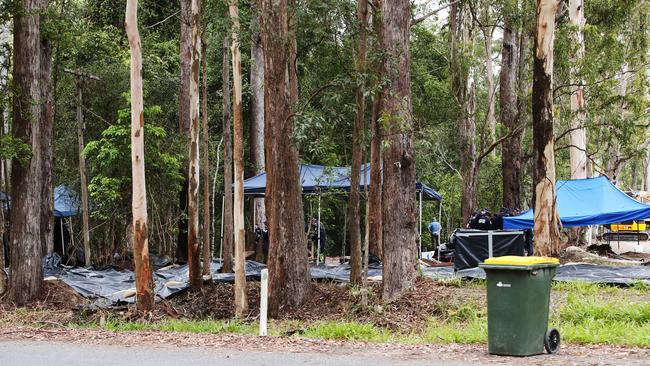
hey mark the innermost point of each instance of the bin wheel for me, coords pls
(552, 341)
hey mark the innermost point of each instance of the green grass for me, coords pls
(349, 331)
(588, 319)
(584, 313)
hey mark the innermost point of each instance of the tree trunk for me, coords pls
(257, 119)
(241, 301)
(354, 222)
(399, 213)
(206, 165)
(83, 182)
(488, 32)
(375, 235)
(143, 279)
(47, 129)
(578, 134)
(289, 277)
(228, 236)
(463, 88)
(511, 148)
(193, 243)
(26, 277)
(184, 123)
(547, 235)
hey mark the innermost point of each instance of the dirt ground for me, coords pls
(465, 354)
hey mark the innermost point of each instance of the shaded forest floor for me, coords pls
(449, 312)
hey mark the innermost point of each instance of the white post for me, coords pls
(420, 226)
(264, 289)
(318, 243)
(223, 207)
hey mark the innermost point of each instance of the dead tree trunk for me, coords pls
(354, 222)
(578, 134)
(375, 235)
(228, 236)
(26, 277)
(241, 301)
(511, 148)
(289, 277)
(547, 235)
(47, 129)
(206, 165)
(399, 208)
(257, 120)
(193, 243)
(143, 280)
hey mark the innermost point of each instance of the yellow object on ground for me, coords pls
(635, 226)
(521, 261)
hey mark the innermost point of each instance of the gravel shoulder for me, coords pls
(241, 349)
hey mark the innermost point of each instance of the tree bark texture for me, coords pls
(546, 231)
(193, 243)
(241, 301)
(26, 277)
(257, 118)
(375, 235)
(289, 279)
(83, 181)
(463, 88)
(184, 122)
(511, 148)
(488, 33)
(228, 236)
(399, 206)
(47, 129)
(206, 164)
(143, 279)
(578, 134)
(354, 216)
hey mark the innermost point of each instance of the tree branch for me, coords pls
(433, 12)
(498, 142)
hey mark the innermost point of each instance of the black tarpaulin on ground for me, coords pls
(474, 246)
(567, 272)
(110, 286)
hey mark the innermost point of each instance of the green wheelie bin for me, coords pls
(518, 297)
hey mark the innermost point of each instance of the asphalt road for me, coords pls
(30, 353)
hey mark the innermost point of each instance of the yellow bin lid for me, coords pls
(514, 260)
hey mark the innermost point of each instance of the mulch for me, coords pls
(326, 301)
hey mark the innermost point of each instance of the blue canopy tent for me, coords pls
(66, 201)
(316, 179)
(584, 202)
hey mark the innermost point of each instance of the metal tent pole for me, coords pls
(62, 238)
(345, 225)
(223, 207)
(440, 222)
(420, 226)
(318, 243)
